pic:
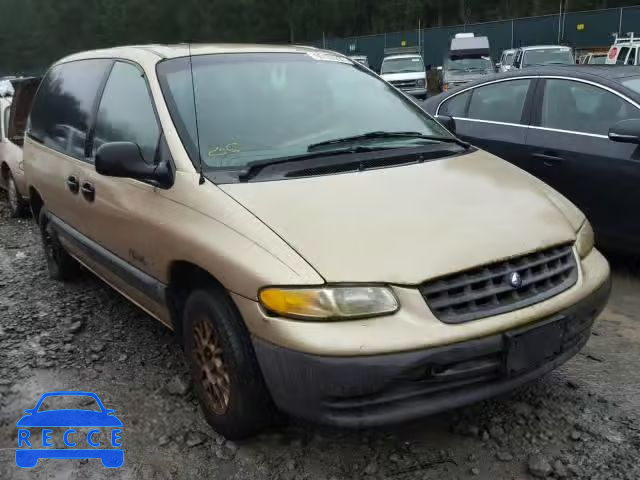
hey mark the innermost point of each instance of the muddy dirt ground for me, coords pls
(581, 421)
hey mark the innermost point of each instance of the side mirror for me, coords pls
(626, 131)
(125, 160)
(447, 122)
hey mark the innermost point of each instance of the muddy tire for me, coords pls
(226, 377)
(17, 206)
(60, 264)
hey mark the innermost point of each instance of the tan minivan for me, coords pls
(318, 243)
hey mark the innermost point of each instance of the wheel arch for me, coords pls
(35, 203)
(184, 277)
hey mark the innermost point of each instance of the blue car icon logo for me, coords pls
(102, 424)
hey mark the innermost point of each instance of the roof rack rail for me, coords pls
(402, 50)
(631, 38)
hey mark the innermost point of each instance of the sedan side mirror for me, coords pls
(447, 122)
(626, 131)
(125, 160)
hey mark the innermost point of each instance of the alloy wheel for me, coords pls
(213, 376)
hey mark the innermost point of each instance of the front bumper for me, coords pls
(379, 389)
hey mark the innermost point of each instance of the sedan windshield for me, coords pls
(402, 65)
(548, 56)
(255, 107)
(469, 64)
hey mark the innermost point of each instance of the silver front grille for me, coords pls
(492, 289)
(404, 83)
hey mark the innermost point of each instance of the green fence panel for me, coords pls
(407, 38)
(437, 42)
(590, 29)
(579, 29)
(630, 20)
(373, 47)
(499, 34)
(536, 31)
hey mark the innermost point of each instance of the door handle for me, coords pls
(88, 191)
(548, 159)
(73, 184)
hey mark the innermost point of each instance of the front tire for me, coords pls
(17, 206)
(60, 264)
(226, 377)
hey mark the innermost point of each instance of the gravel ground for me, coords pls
(581, 421)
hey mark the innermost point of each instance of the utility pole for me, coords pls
(560, 23)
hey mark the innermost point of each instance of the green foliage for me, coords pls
(34, 33)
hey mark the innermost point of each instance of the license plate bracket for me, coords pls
(532, 347)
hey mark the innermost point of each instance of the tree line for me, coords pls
(34, 33)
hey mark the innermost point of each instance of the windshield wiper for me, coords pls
(383, 135)
(253, 168)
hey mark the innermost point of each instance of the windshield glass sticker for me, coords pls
(329, 57)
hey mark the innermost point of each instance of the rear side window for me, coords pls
(64, 105)
(622, 55)
(126, 112)
(500, 102)
(456, 106)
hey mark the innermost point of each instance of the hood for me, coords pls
(462, 76)
(390, 77)
(408, 224)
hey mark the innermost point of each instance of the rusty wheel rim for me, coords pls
(213, 375)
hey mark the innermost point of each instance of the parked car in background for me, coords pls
(340, 255)
(361, 59)
(506, 60)
(536, 56)
(406, 72)
(6, 89)
(624, 50)
(14, 112)
(467, 60)
(576, 129)
(594, 59)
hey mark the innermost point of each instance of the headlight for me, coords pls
(420, 83)
(585, 240)
(329, 303)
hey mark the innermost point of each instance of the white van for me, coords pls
(624, 50)
(406, 72)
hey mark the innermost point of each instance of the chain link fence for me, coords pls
(580, 30)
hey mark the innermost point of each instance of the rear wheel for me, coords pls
(17, 205)
(226, 377)
(60, 264)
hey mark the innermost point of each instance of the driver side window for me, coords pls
(580, 107)
(126, 112)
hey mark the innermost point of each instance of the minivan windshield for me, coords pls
(263, 106)
(469, 64)
(402, 65)
(548, 56)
